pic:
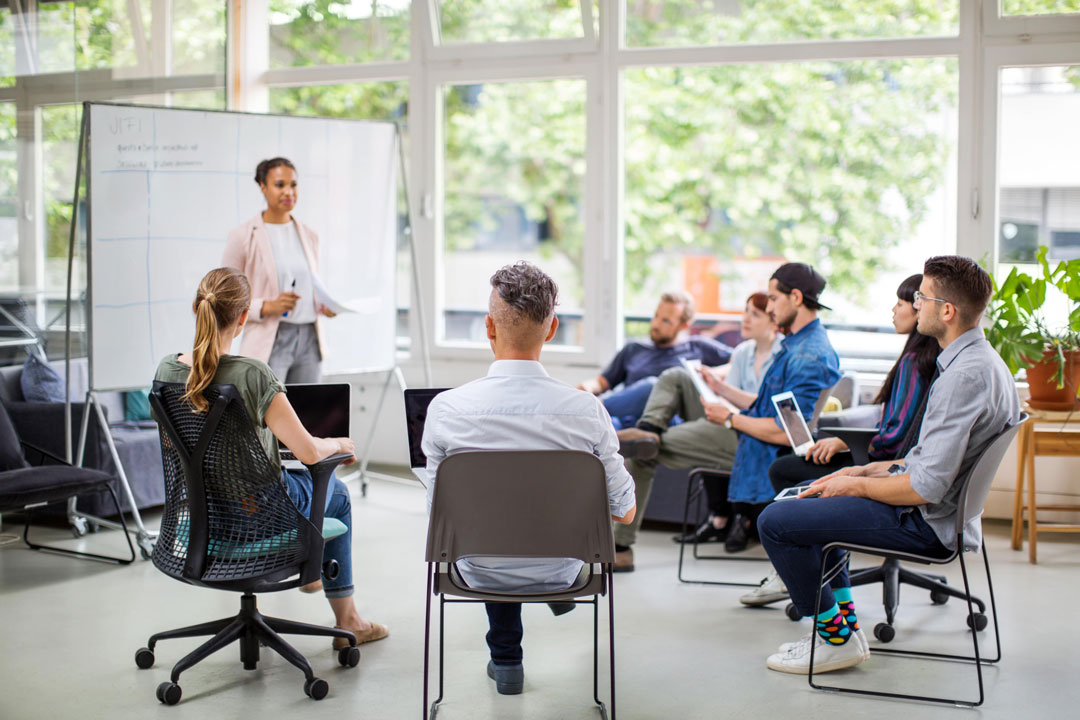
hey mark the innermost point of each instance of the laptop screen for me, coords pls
(323, 409)
(416, 405)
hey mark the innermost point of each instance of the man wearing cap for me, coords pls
(744, 443)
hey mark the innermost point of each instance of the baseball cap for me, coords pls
(800, 275)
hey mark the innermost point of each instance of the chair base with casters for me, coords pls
(25, 489)
(444, 579)
(976, 622)
(695, 489)
(252, 629)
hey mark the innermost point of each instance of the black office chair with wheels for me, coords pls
(527, 504)
(973, 494)
(230, 525)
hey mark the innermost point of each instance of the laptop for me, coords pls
(416, 405)
(323, 410)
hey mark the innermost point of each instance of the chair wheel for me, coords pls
(349, 656)
(168, 693)
(884, 632)
(977, 622)
(939, 597)
(316, 688)
(793, 612)
(144, 658)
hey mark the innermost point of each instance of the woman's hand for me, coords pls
(327, 311)
(713, 377)
(345, 445)
(280, 305)
(716, 412)
(823, 450)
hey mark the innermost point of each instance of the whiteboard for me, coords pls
(166, 186)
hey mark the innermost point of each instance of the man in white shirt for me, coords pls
(517, 406)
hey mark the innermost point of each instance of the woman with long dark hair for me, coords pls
(901, 395)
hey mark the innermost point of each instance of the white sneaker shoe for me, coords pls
(769, 591)
(827, 657)
(858, 637)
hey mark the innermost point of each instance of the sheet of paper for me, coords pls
(706, 392)
(363, 305)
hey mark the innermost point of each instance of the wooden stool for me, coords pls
(1057, 442)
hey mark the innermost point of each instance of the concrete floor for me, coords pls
(69, 629)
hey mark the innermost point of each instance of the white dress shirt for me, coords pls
(518, 406)
(294, 273)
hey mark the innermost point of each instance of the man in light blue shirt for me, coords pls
(517, 406)
(907, 506)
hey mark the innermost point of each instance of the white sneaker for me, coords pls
(827, 657)
(858, 637)
(770, 590)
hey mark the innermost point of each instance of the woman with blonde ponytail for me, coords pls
(221, 310)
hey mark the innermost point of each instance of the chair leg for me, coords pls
(291, 627)
(917, 579)
(86, 555)
(694, 491)
(230, 633)
(277, 643)
(993, 607)
(611, 637)
(207, 628)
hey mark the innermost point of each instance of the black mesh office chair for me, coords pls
(529, 504)
(230, 525)
(975, 489)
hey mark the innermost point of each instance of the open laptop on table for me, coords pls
(323, 410)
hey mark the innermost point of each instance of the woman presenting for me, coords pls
(280, 257)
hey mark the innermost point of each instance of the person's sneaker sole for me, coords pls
(819, 667)
(506, 688)
(643, 449)
(751, 600)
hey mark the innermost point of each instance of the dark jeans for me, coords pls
(794, 533)
(339, 506)
(504, 632)
(790, 470)
(626, 405)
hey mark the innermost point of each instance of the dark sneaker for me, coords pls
(739, 537)
(509, 679)
(624, 561)
(638, 444)
(705, 533)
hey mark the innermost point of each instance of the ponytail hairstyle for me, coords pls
(264, 167)
(223, 296)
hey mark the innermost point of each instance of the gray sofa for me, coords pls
(137, 444)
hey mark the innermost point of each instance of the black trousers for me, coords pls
(790, 470)
(504, 632)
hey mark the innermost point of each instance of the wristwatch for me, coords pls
(727, 423)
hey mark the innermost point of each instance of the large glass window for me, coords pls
(474, 21)
(198, 37)
(711, 22)
(514, 190)
(331, 32)
(732, 170)
(9, 200)
(1039, 7)
(1039, 163)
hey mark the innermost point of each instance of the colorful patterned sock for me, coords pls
(847, 607)
(832, 626)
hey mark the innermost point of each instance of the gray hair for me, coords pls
(527, 290)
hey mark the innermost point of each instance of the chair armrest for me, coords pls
(44, 454)
(42, 425)
(321, 472)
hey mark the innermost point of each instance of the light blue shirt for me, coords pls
(518, 406)
(743, 375)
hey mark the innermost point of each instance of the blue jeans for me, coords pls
(625, 406)
(794, 533)
(504, 632)
(339, 507)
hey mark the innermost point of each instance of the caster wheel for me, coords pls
(92, 527)
(977, 622)
(79, 527)
(793, 612)
(144, 658)
(168, 693)
(349, 656)
(884, 632)
(146, 548)
(938, 597)
(316, 688)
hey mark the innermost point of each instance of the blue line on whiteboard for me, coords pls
(141, 303)
(144, 238)
(237, 173)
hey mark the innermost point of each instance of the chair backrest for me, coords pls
(521, 503)
(227, 515)
(973, 494)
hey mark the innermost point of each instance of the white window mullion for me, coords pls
(248, 55)
(970, 203)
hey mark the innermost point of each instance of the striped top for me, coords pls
(899, 411)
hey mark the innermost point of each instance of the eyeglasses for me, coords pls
(919, 297)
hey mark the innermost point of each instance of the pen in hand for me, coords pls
(291, 288)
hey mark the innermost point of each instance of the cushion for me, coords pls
(244, 551)
(137, 406)
(48, 483)
(11, 455)
(40, 383)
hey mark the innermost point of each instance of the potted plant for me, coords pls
(1022, 336)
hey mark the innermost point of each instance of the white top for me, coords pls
(517, 406)
(292, 265)
(743, 375)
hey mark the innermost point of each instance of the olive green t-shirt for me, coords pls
(252, 378)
